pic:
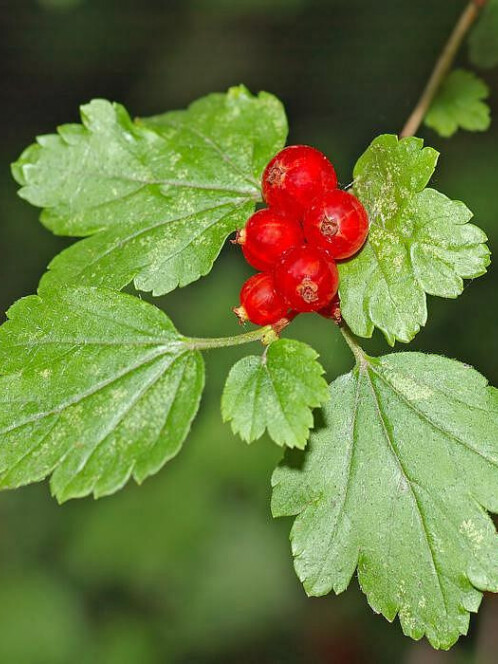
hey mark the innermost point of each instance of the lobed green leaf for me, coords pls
(275, 392)
(483, 40)
(97, 387)
(419, 242)
(158, 196)
(396, 484)
(459, 104)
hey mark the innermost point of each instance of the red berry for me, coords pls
(338, 223)
(332, 310)
(259, 301)
(306, 278)
(295, 176)
(266, 236)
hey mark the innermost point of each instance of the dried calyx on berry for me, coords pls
(266, 236)
(306, 278)
(332, 310)
(337, 222)
(260, 302)
(295, 176)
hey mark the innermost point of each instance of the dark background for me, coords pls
(190, 567)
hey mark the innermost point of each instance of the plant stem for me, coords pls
(442, 66)
(265, 334)
(225, 342)
(355, 347)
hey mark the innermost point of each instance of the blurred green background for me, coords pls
(190, 567)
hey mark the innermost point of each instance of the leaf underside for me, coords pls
(97, 387)
(396, 485)
(275, 393)
(420, 242)
(459, 104)
(158, 196)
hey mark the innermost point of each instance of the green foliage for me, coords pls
(159, 196)
(419, 242)
(459, 103)
(275, 392)
(483, 40)
(99, 387)
(396, 483)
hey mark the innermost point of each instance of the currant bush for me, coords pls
(398, 481)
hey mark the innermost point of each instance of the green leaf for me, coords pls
(97, 386)
(397, 484)
(420, 242)
(276, 393)
(158, 196)
(459, 103)
(483, 40)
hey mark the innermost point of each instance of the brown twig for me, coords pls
(443, 65)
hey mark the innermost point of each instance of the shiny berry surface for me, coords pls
(260, 303)
(306, 278)
(338, 223)
(295, 176)
(266, 236)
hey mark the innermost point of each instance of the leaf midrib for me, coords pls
(115, 423)
(120, 242)
(214, 146)
(92, 390)
(394, 452)
(424, 417)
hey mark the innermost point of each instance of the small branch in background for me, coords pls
(443, 65)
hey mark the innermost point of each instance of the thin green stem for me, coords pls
(356, 349)
(225, 342)
(442, 66)
(266, 335)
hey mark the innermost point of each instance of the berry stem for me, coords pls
(442, 66)
(356, 349)
(264, 334)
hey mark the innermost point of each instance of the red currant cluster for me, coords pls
(295, 242)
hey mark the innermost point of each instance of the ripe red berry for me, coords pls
(259, 301)
(337, 222)
(266, 236)
(332, 310)
(295, 176)
(306, 278)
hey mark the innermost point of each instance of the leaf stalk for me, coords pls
(265, 335)
(356, 349)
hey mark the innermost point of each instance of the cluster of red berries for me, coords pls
(294, 242)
